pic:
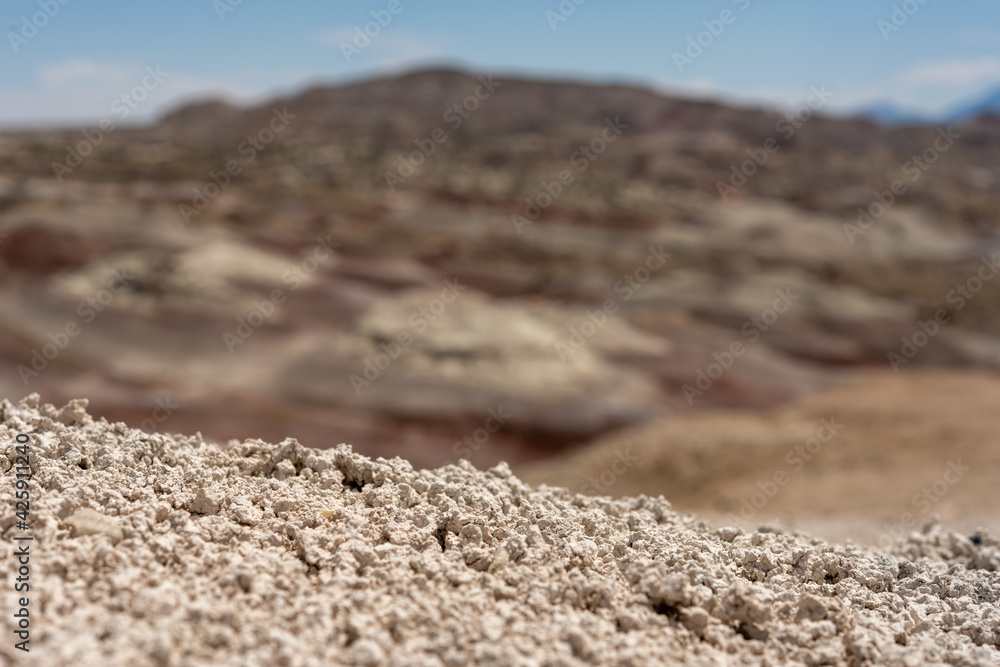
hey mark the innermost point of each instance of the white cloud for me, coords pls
(80, 70)
(953, 73)
(938, 86)
(389, 48)
(93, 87)
(749, 96)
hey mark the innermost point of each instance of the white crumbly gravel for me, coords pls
(260, 554)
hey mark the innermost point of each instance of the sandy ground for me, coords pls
(165, 550)
(875, 458)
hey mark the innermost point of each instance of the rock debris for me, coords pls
(262, 554)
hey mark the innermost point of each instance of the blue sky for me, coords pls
(89, 53)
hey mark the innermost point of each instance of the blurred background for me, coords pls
(740, 254)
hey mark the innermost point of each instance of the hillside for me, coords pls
(585, 269)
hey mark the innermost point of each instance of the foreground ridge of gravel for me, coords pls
(260, 554)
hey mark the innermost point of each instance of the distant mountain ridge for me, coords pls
(890, 113)
(404, 106)
(410, 105)
(987, 105)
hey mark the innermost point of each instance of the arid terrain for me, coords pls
(871, 460)
(154, 549)
(443, 266)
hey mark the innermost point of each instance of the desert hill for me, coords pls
(270, 301)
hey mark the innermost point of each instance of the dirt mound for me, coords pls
(284, 555)
(873, 458)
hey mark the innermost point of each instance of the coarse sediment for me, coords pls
(261, 554)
